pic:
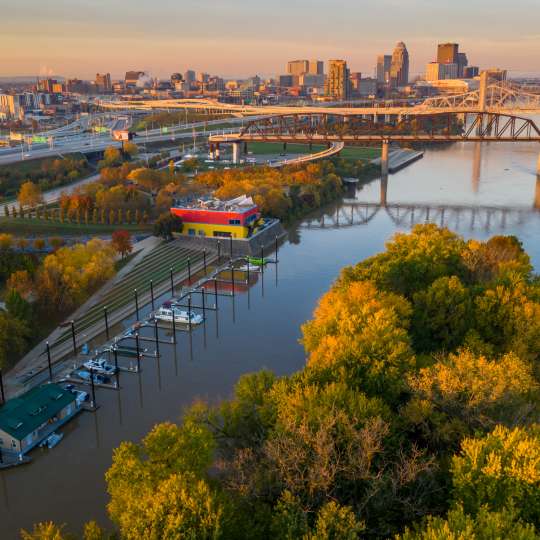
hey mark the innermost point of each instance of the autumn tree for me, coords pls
(29, 195)
(121, 241)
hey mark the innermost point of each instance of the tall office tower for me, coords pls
(103, 82)
(297, 67)
(132, 77)
(447, 53)
(434, 71)
(337, 82)
(316, 67)
(399, 70)
(462, 62)
(470, 72)
(384, 62)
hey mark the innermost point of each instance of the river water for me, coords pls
(477, 189)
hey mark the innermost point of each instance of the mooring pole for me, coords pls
(116, 367)
(276, 247)
(156, 335)
(138, 352)
(73, 337)
(136, 303)
(172, 284)
(204, 260)
(49, 361)
(93, 404)
(189, 313)
(232, 277)
(173, 325)
(152, 294)
(219, 250)
(203, 296)
(262, 259)
(215, 292)
(105, 315)
(230, 244)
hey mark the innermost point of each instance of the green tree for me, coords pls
(500, 470)
(167, 224)
(485, 525)
(29, 195)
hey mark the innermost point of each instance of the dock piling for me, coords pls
(189, 313)
(174, 328)
(232, 276)
(116, 367)
(203, 296)
(92, 382)
(138, 352)
(215, 292)
(172, 284)
(156, 336)
(136, 303)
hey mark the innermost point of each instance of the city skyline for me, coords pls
(77, 39)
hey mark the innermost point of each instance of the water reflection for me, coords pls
(536, 204)
(477, 166)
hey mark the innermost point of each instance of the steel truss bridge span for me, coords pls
(317, 126)
(460, 217)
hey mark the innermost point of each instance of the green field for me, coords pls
(360, 153)
(43, 227)
(29, 165)
(263, 148)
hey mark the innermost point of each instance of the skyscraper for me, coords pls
(316, 67)
(337, 83)
(447, 53)
(384, 62)
(399, 70)
(103, 82)
(463, 62)
(298, 67)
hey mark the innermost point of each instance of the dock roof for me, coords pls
(22, 415)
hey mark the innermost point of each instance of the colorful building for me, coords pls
(237, 218)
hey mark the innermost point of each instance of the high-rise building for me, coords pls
(132, 77)
(384, 62)
(316, 67)
(355, 79)
(463, 62)
(399, 70)
(103, 82)
(297, 67)
(46, 85)
(447, 53)
(470, 72)
(438, 72)
(337, 82)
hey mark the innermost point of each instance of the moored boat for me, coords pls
(166, 314)
(100, 365)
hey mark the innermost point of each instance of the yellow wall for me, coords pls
(237, 231)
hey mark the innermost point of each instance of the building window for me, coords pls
(191, 232)
(234, 222)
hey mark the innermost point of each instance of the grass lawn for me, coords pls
(42, 227)
(262, 148)
(30, 165)
(360, 153)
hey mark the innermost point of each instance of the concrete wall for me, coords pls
(248, 246)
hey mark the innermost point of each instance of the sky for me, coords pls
(237, 38)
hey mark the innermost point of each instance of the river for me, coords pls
(478, 190)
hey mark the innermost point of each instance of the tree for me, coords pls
(30, 195)
(167, 224)
(131, 149)
(18, 307)
(13, 339)
(121, 241)
(158, 489)
(485, 525)
(111, 157)
(464, 392)
(46, 531)
(6, 241)
(500, 470)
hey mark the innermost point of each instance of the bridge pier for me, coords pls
(216, 152)
(236, 148)
(384, 157)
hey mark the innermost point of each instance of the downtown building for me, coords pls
(338, 84)
(399, 68)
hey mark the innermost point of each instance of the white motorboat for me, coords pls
(100, 365)
(165, 314)
(52, 440)
(248, 267)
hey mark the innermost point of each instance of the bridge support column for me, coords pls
(537, 194)
(236, 149)
(384, 157)
(216, 152)
(245, 148)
